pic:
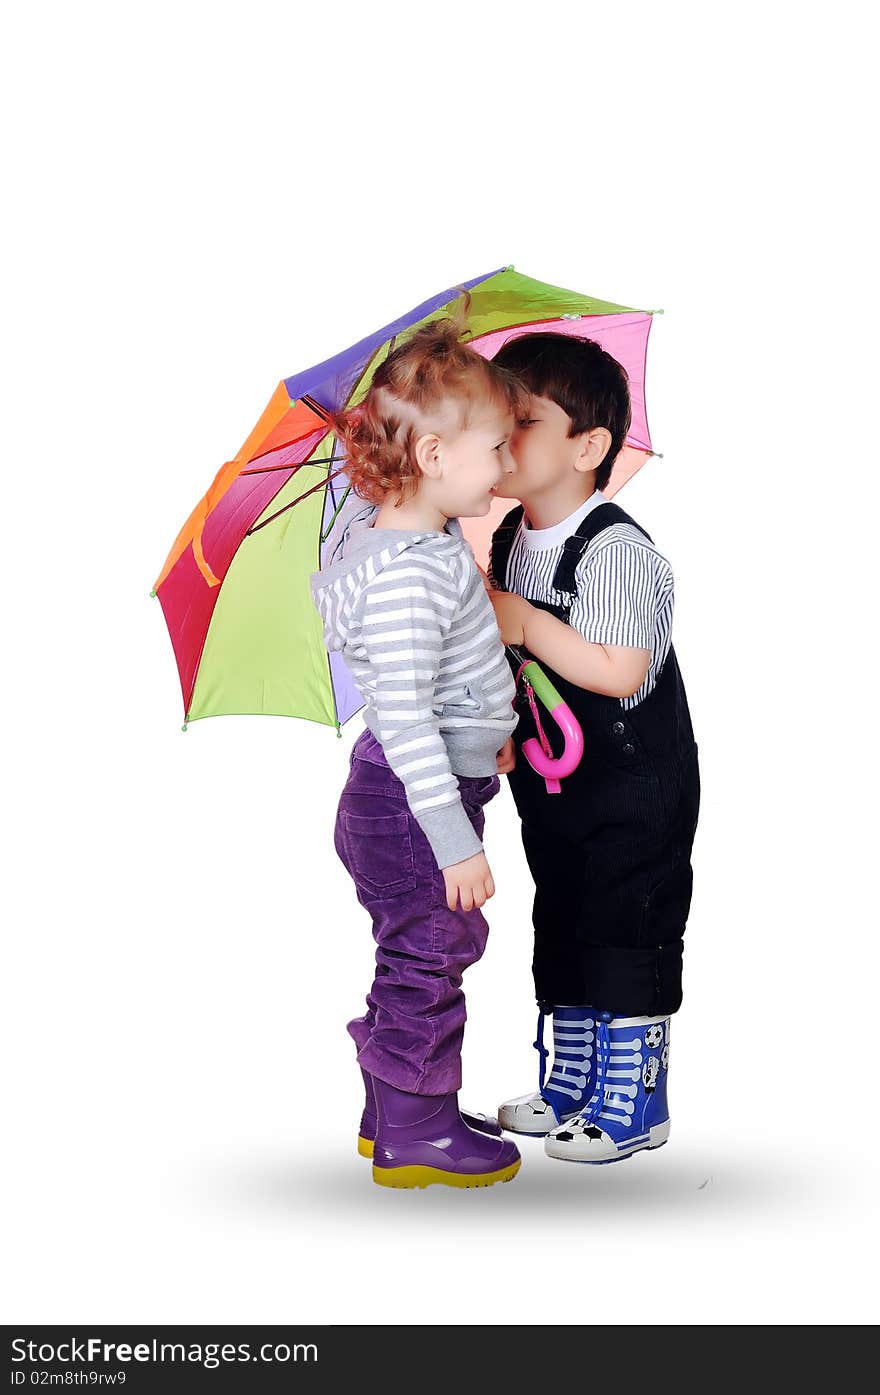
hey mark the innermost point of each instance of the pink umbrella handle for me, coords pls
(538, 752)
(556, 768)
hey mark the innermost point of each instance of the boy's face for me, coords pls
(542, 454)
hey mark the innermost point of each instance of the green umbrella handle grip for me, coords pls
(553, 768)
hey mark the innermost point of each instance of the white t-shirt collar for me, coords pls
(536, 539)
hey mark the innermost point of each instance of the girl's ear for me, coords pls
(595, 445)
(427, 454)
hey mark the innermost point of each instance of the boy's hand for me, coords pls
(471, 879)
(506, 757)
(510, 612)
(486, 582)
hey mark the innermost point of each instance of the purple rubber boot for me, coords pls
(366, 1134)
(422, 1139)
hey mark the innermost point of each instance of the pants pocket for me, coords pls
(379, 853)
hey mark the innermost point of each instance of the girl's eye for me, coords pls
(529, 421)
(500, 445)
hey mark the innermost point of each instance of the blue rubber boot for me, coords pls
(569, 1085)
(628, 1110)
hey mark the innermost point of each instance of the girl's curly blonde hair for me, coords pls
(432, 382)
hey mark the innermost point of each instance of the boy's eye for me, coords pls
(527, 421)
(500, 445)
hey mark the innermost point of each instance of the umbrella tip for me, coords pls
(183, 728)
(152, 595)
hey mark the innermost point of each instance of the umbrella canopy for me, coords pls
(234, 589)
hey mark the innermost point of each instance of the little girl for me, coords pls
(402, 599)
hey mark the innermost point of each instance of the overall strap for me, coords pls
(502, 542)
(596, 521)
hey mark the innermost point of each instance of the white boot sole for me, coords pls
(579, 1153)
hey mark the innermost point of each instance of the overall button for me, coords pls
(629, 749)
(618, 728)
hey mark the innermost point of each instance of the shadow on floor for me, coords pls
(664, 1181)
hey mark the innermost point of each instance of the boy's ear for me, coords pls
(427, 453)
(595, 445)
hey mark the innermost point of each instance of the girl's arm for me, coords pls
(407, 611)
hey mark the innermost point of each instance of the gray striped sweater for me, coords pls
(411, 617)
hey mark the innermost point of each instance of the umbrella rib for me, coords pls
(316, 407)
(267, 469)
(299, 498)
(326, 533)
(333, 450)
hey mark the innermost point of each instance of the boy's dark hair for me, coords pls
(578, 375)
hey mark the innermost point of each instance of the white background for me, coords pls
(206, 198)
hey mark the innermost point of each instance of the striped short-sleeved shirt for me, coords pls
(625, 589)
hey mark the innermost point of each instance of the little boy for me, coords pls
(580, 587)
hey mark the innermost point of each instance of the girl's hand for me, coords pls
(471, 879)
(510, 613)
(506, 757)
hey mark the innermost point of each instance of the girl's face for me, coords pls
(474, 462)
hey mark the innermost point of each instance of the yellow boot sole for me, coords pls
(365, 1147)
(428, 1176)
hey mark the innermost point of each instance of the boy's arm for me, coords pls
(607, 644)
(612, 669)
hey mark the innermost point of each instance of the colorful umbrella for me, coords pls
(235, 587)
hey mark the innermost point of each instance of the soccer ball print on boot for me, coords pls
(422, 1139)
(483, 1123)
(628, 1110)
(570, 1083)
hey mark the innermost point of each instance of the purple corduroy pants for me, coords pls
(411, 1033)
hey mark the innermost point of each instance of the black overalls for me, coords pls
(609, 855)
